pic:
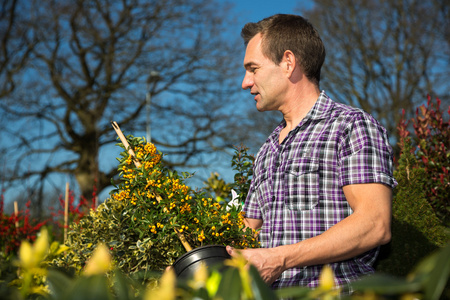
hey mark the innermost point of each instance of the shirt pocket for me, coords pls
(302, 184)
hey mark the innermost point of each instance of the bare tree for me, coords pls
(16, 43)
(96, 62)
(384, 55)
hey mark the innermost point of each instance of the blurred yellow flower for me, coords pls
(26, 255)
(100, 262)
(166, 289)
(326, 278)
(213, 282)
(200, 277)
(326, 289)
(31, 255)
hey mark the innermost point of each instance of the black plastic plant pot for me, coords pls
(211, 256)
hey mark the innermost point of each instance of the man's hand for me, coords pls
(267, 261)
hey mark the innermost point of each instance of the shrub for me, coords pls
(145, 215)
(432, 140)
(10, 235)
(416, 230)
(420, 204)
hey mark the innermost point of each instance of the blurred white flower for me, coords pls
(234, 200)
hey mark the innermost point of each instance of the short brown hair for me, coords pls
(283, 32)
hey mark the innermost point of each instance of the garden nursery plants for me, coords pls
(152, 217)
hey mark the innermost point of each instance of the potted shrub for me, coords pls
(152, 217)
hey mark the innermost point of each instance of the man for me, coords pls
(322, 186)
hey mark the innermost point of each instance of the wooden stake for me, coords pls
(66, 211)
(124, 141)
(16, 212)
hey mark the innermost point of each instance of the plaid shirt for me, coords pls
(297, 185)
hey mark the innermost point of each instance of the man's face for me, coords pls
(263, 77)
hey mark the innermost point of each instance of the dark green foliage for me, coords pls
(421, 200)
(427, 280)
(242, 163)
(416, 230)
(8, 274)
(407, 247)
(410, 205)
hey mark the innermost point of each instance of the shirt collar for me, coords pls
(321, 110)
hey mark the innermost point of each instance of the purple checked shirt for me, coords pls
(297, 185)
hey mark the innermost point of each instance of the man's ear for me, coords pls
(289, 62)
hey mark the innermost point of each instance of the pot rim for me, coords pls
(193, 251)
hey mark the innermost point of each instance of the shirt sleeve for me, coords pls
(251, 206)
(365, 155)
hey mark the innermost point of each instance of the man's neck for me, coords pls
(298, 105)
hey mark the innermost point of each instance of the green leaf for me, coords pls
(435, 269)
(58, 284)
(122, 287)
(89, 288)
(385, 284)
(230, 287)
(261, 291)
(293, 292)
(202, 294)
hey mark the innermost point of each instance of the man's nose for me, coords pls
(247, 82)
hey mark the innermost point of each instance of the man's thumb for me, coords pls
(230, 250)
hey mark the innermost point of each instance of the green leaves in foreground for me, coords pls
(233, 281)
(428, 279)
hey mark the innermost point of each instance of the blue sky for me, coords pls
(255, 10)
